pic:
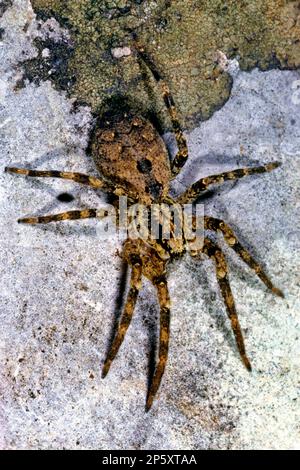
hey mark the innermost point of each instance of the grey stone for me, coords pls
(59, 283)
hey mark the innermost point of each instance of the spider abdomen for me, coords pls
(128, 150)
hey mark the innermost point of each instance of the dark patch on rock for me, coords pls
(4, 5)
(54, 67)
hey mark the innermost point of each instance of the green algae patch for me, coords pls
(184, 38)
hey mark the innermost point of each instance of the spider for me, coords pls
(133, 161)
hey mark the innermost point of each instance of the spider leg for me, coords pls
(194, 191)
(135, 285)
(164, 301)
(214, 252)
(92, 181)
(210, 223)
(70, 215)
(182, 154)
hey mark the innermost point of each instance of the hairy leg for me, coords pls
(70, 215)
(182, 154)
(92, 181)
(195, 190)
(135, 285)
(164, 301)
(210, 223)
(214, 252)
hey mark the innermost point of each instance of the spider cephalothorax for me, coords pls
(133, 161)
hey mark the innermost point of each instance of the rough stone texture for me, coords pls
(59, 283)
(183, 37)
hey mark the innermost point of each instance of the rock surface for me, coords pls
(59, 283)
(184, 38)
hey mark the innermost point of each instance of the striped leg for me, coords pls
(81, 178)
(77, 177)
(164, 301)
(203, 184)
(135, 285)
(210, 223)
(71, 215)
(182, 154)
(215, 253)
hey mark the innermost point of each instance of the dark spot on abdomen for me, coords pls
(154, 188)
(144, 166)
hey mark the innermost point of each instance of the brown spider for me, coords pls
(133, 159)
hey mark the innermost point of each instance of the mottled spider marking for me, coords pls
(127, 149)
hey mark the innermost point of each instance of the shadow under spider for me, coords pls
(119, 301)
(149, 320)
(65, 230)
(152, 327)
(218, 315)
